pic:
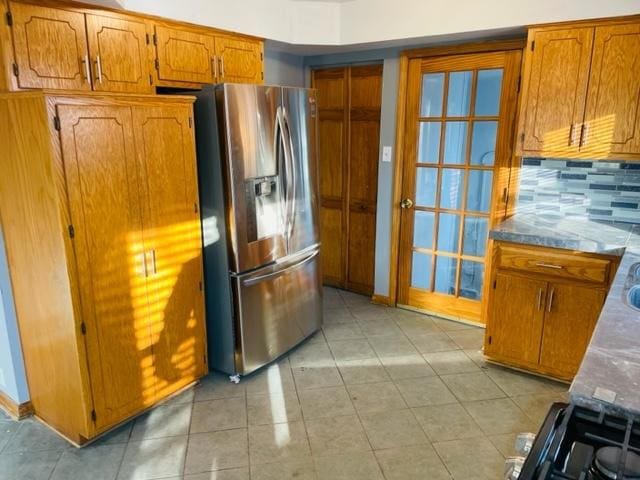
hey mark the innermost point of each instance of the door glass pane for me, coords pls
(429, 142)
(448, 232)
(471, 276)
(488, 92)
(451, 192)
(459, 95)
(483, 143)
(455, 142)
(426, 179)
(479, 190)
(474, 237)
(421, 270)
(446, 275)
(432, 91)
(423, 229)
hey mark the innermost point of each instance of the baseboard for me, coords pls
(382, 300)
(14, 410)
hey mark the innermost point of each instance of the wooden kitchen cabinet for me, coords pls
(240, 60)
(102, 190)
(581, 91)
(542, 308)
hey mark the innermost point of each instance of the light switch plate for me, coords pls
(386, 153)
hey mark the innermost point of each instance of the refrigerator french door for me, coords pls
(258, 186)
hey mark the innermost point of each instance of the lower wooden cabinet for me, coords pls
(543, 320)
(98, 200)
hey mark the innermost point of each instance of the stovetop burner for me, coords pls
(575, 443)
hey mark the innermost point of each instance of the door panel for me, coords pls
(119, 55)
(165, 146)
(50, 47)
(556, 90)
(254, 167)
(612, 119)
(240, 60)
(514, 298)
(564, 344)
(277, 307)
(102, 182)
(300, 117)
(185, 55)
(332, 256)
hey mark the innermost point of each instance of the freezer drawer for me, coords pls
(276, 307)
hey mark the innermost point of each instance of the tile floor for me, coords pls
(380, 393)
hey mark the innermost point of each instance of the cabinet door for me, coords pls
(240, 60)
(119, 55)
(612, 121)
(184, 55)
(50, 47)
(166, 152)
(572, 313)
(555, 91)
(102, 184)
(514, 326)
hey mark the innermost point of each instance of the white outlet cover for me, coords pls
(386, 153)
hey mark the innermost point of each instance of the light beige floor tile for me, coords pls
(311, 355)
(424, 391)
(447, 422)
(214, 451)
(282, 442)
(433, 342)
(31, 436)
(537, 406)
(337, 316)
(376, 397)
(455, 361)
(393, 429)
(407, 366)
(517, 383)
(369, 312)
(471, 459)
(505, 443)
(223, 414)
(215, 386)
(28, 465)
(229, 474)
(499, 416)
(392, 346)
(380, 327)
(342, 331)
(294, 470)
(451, 325)
(272, 379)
(368, 370)
(353, 466)
(412, 463)
(356, 349)
(417, 325)
(337, 435)
(90, 463)
(316, 377)
(468, 387)
(163, 421)
(154, 458)
(268, 409)
(477, 356)
(325, 402)
(468, 339)
(355, 299)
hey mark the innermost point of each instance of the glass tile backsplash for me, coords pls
(601, 190)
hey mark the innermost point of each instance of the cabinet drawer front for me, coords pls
(552, 263)
(184, 55)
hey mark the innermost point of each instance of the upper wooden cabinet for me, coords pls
(581, 92)
(82, 48)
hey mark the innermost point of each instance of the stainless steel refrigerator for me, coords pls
(258, 181)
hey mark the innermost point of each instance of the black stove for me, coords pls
(575, 443)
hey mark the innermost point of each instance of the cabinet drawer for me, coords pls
(554, 263)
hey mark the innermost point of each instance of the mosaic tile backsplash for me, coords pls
(597, 190)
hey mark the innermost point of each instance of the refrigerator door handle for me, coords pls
(294, 179)
(260, 278)
(288, 180)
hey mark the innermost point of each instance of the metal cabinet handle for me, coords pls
(153, 261)
(87, 69)
(222, 66)
(549, 265)
(539, 298)
(553, 291)
(584, 134)
(571, 134)
(143, 265)
(214, 62)
(406, 203)
(99, 67)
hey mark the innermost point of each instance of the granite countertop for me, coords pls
(609, 376)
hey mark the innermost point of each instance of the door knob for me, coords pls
(406, 203)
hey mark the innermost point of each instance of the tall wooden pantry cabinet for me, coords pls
(99, 209)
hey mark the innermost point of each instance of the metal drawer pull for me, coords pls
(143, 265)
(99, 65)
(222, 65)
(87, 70)
(261, 278)
(153, 261)
(214, 61)
(549, 265)
(553, 291)
(539, 298)
(571, 134)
